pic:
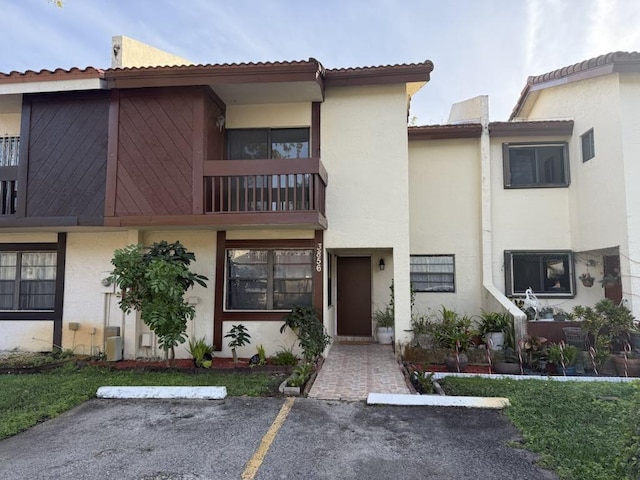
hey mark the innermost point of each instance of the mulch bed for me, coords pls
(185, 365)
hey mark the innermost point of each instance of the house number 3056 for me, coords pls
(319, 257)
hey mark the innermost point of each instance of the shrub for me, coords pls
(284, 357)
(201, 352)
(312, 337)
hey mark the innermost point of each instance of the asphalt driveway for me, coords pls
(199, 439)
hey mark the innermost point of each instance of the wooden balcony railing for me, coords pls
(243, 186)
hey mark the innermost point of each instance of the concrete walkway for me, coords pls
(351, 372)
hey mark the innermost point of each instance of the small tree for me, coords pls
(153, 281)
(239, 338)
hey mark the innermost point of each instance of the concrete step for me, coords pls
(345, 340)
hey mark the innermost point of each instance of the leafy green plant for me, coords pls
(607, 323)
(384, 317)
(262, 355)
(240, 337)
(312, 336)
(300, 375)
(567, 354)
(452, 329)
(421, 380)
(153, 281)
(201, 352)
(494, 322)
(285, 356)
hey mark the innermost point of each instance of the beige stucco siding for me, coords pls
(268, 115)
(444, 195)
(365, 151)
(597, 194)
(630, 124)
(9, 124)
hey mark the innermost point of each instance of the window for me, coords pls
(9, 157)
(537, 165)
(432, 273)
(269, 279)
(250, 144)
(588, 147)
(548, 274)
(28, 280)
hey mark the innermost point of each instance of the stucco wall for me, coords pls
(597, 193)
(525, 218)
(364, 148)
(10, 124)
(270, 115)
(630, 124)
(127, 52)
(444, 189)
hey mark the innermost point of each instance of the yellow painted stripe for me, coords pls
(258, 457)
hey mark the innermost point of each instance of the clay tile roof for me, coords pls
(46, 75)
(616, 61)
(444, 132)
(402, 72)
(216, 66)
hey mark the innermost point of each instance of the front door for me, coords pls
(354, 296)
(613, 287)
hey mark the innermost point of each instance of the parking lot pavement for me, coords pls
(199, 439)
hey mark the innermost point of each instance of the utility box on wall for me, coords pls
(113, 349)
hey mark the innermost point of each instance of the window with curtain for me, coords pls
(547, 273)
(269, 279)
(27, 280)
(433, 273)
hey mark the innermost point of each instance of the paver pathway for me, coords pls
(351, 372)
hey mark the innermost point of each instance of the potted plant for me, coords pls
(421, 329)
(453, 332)
(492, 328)
(627, 364)
(559, 315)
(546, 313)
(384, 319)
(534, 351)
(586, 279)
(564, 358)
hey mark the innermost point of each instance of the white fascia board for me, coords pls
(53, 86)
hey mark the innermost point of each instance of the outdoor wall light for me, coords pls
(381, 264)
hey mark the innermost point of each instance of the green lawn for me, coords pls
(26, 400)
(583, 431)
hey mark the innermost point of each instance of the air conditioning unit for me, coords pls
(113, 349)
(111, 332)
(146, 340)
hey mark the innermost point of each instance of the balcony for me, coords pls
(254, 192)
(9, 156)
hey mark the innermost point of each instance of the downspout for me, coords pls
(491, 291)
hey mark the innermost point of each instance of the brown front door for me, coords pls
(612, 289)
(354, 296)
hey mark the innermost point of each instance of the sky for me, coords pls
(478, 47)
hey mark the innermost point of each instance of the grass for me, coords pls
(26, 400)
(583, 431)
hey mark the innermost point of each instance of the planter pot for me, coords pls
(568, 370)
(422, 340)
(495, 340)
(635, 340)
(560, 317)
(385, 335)
(587, 282)
(633, 366)
(452, 362)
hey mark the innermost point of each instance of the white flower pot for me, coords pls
(385, 335)
(495, 340)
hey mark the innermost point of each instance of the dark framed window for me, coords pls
(588, 146)
(535, 165)
(433, 273)
(269, 279)
(28, 280)
(547, 273)
(266, 143)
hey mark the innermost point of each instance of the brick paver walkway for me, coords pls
(351, 372)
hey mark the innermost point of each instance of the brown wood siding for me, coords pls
(155, 151)
(67, 156)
